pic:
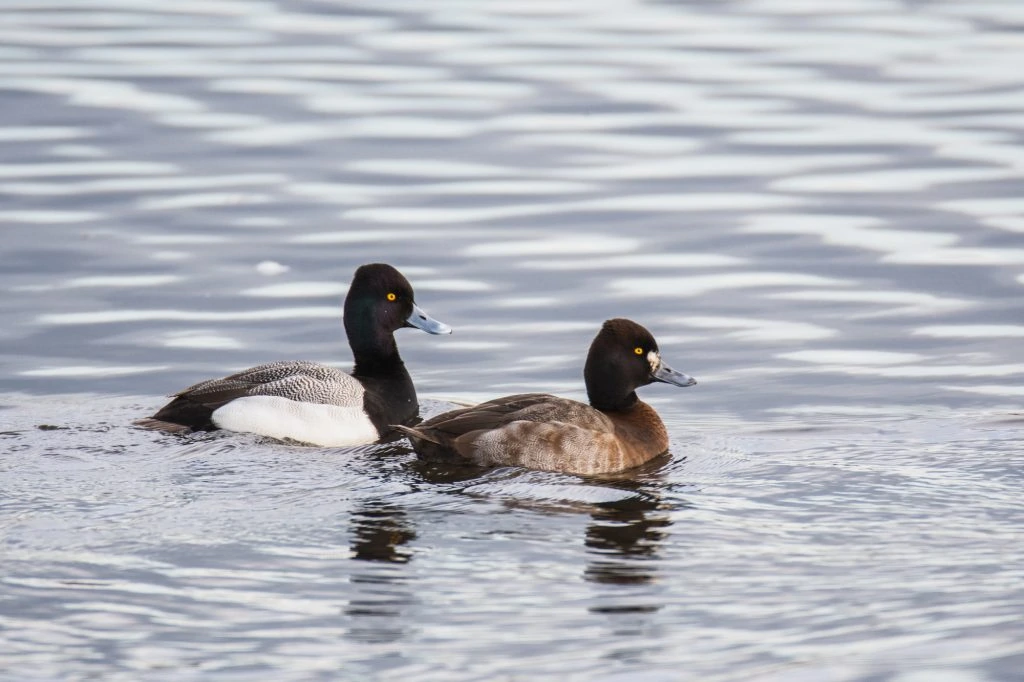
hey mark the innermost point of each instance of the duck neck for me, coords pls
(374, 348)
(610, 400)
(377, 358)
(389, 387)
(609, 388)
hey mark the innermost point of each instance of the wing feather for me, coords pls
(307, 382)
(303, 381)
(528, 407)
(535, 430)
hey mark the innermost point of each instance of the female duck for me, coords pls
(314, 403)
(617, 431)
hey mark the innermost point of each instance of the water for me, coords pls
(816, 209)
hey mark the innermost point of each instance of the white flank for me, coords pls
(326, 425)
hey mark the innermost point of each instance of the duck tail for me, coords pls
(414, 433)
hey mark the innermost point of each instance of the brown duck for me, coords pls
(616, 431)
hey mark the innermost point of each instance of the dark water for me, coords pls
(817, 209)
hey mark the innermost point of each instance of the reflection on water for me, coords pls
(378, 612)
(791, 536)
(816, 209)
(623, 538)
(379, 533)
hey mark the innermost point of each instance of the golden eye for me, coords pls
(638, 350)
(391, 296)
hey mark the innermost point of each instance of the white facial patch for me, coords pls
(313, 423)
(654, 358)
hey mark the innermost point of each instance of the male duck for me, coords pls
(617, 431)
(314, 403)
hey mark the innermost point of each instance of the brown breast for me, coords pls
(641, 434)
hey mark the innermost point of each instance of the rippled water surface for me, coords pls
(816, 208)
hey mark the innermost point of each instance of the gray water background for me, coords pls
(817, 208)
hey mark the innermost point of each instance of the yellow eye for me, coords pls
(638, 350)
(391, 296)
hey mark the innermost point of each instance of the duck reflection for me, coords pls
(622, 541)
(380, 533)
(624, 536)
(442, 470)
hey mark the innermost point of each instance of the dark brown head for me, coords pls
(623, 357)
(380, 301)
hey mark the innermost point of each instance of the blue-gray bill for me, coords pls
(667, 375)
(421, 320)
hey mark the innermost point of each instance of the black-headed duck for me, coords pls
(313, 403)
(615, 432)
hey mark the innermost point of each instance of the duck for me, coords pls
(616, 431)
(313, 403)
